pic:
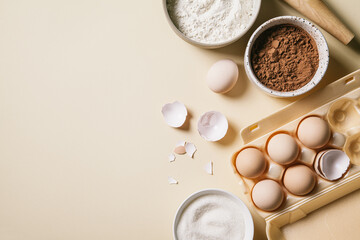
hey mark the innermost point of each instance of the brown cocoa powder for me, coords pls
(284, 58)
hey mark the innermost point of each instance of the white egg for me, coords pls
(314, 132)
(282, 148)
(222, 76)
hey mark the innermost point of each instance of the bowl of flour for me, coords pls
(213, 214)
(211, 23)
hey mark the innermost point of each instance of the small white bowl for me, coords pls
(249, 224)
(312, 31)
(257, 4)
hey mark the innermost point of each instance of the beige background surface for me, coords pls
(83, 146)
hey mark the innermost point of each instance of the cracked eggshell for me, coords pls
(180, 143)
(209, 168)
(174, 114)
(172, 180)
(212, 126)
(317, 164)
(190, 149)
(171, 157)
(180, 150)
(332, 164)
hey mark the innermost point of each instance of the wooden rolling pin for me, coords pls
(319, 13)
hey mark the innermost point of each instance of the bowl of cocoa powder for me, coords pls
(286, 56)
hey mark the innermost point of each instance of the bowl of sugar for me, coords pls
(211, 24)
(213, 214)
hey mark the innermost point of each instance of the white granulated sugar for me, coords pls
(210, 21)
(211, 217)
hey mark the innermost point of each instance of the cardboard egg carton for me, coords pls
(339, 104)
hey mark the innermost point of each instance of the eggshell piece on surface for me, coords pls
(299, 180)
(267, 195)
(190, 149)
(212, 126)
(174, 114)
(180, 143)
(250, 162)
(172, 180)
(180, 150)
(171, 157)
(282, 148)
(209, 168)
(314, 132)
(222, 76)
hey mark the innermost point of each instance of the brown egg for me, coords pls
(282, 148)
(299, 180)
(250, 162)
(267, 195)
(314, 132)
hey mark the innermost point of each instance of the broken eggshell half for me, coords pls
(212, 126)
(174, 114)
(332, 164)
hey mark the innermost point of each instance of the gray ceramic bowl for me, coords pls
(257, 4)
(312, 31)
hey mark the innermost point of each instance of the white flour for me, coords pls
(211, 217)
(210, 21)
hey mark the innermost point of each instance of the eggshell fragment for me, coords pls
(190, 149)
(222, 76)
(180, 143)
(212, 126)
(172, 180)
(209, 168)
(174, 114)
(180, 150)
(171, 157)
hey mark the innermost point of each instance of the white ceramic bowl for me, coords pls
(312, 31)
(257, 4)
(249, 224)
